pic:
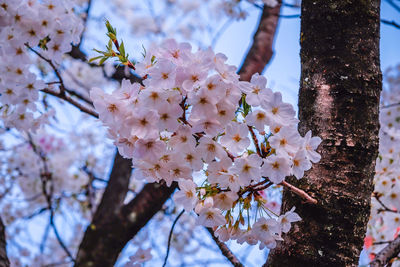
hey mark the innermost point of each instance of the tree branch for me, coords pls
(394, 5)
(385, 208)
(62, 94)
(391, 23)
(291, 5)
(260, 52)
(300, 193)
(387, 253)
(170, 236)
(72, 102)
(225, 250)
(114, 224)
(85, 20)
(390, 105)
(58, 237)
(46, 178)
(60, 79)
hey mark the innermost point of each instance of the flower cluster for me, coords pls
(384, 224)
(192, 120)
(45, 157)
(51, 170)
(49, 24)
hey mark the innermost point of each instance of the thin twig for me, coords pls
(290, 5)
(394, 5)
(55, 82)
(381, 242)
(60, 241)
(294, 16)
(391, 23)
(38, 212)
(391, 105)
(79, 83)
(225, 250)
(53, 67)
(385, 208)
(85, 19)
(170, 236)
(300, 193)
(221, 30)
(44, 239)
(263, 187)
(8, 189)
(62, 93)
(254, 188)
(72, 102)
(80, 96)
(46, 177)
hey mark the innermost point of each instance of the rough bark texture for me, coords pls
(339, 101)
(260, 52)
(3, 252)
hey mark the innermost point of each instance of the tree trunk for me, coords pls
(3, 252)
(339, 101)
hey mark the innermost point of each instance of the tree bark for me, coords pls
(3, 252)
(339, 101)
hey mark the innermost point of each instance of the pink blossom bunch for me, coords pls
(185, 119)
(53, 26)
(384, 224)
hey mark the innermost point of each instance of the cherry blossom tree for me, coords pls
(192, 141)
